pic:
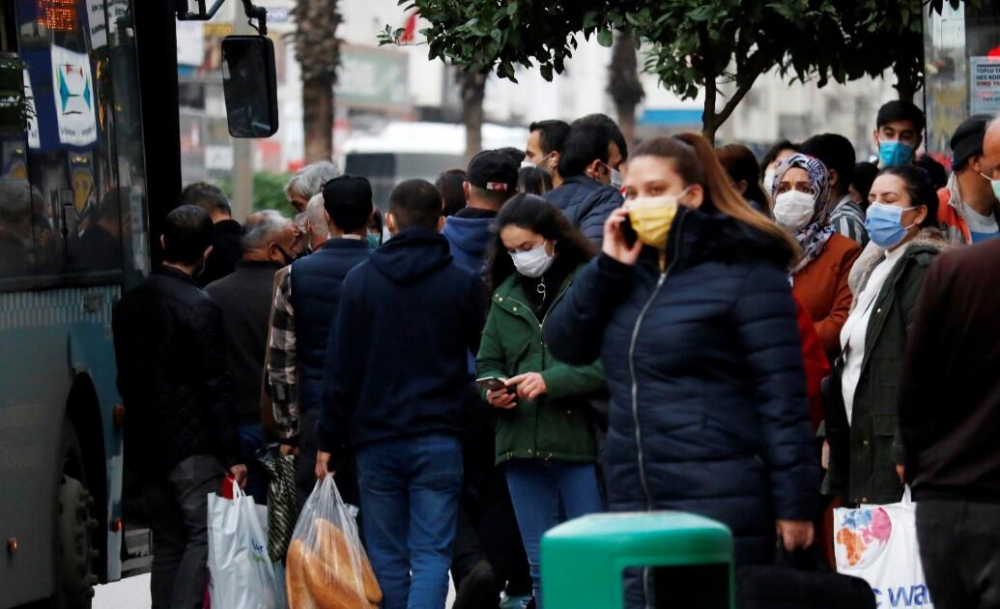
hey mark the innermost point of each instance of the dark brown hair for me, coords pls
(534, 213)
(741, 165)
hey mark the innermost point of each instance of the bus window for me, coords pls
(71, 157)
(15, 228)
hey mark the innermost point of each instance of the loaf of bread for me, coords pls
(327, 578)
(299, 596)
(332, 544)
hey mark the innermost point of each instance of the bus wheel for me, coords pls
(75, 577)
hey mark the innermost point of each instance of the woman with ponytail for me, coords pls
(695, 324)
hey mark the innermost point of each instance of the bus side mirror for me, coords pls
(250, 86)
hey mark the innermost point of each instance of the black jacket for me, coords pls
(708, 406)
(408, 317)
(949, 403)
(316, 285)
(171, 351)
(227, 250)
(245, 299)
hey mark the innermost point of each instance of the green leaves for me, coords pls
(688, 44)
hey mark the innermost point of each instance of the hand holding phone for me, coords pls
(491, 383)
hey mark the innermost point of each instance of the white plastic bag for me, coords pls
(878, 543)
(327, 568)
(243, 576)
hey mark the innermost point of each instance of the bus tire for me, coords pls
(74, 526)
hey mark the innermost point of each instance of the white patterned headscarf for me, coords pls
(813, 237)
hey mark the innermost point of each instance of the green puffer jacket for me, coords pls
(558, 425)
(864, 454)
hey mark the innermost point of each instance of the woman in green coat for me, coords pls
(544, 433)
(862, 425)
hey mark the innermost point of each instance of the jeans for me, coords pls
(251, 443)
(409, 498)
(542, 492)
(960, 552)
(177, 508)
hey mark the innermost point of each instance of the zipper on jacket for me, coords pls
(640, 459)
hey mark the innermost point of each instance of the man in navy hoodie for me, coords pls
(408, 316)
(490, 180)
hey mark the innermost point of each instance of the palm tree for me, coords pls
(623, 82)
(317, 50)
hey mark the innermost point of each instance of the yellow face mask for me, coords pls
(652, 217)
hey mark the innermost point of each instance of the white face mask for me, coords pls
(793, 210)
(526, 164)
(534, 262)
(769, 176)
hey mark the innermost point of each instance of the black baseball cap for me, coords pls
(348, 200)
(967, 141)
(493, 171)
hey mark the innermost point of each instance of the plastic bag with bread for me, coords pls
(327, 567)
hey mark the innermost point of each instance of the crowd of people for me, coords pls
(583, 327)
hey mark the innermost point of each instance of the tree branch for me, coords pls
(741, 91)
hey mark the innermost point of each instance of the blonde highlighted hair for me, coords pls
(695, 161)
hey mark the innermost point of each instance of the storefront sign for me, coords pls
(984, 85)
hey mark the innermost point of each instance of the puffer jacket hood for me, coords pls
(470, 239)
(412, 255)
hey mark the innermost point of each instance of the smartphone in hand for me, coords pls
(491, 383)
(628, 232)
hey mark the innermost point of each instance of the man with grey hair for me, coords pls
(308, 182)
(317, 226)
(245, 299)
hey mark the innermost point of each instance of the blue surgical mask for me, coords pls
(885, 225)
(893, 153)
(374, 240)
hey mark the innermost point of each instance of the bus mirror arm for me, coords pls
(204, 13)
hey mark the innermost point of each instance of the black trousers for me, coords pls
(487, 526)
(960, 552)
(177, 508)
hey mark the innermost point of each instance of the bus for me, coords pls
(89, 167)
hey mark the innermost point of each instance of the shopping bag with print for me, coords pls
(878, 543)
(242, 574)
(327, 568)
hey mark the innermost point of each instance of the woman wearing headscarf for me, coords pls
(820, 276)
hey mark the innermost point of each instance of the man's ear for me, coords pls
(390, 223)
(875, 138)
(834, 180)
(593, 170)
(326, 216)
(163, 242)
(441, 222)
(208, 252)
(920, 140)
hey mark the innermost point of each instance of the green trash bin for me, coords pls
(690, 560)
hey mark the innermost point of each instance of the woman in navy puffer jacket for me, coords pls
(695, 325)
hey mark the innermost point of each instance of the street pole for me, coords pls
(242, 147)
